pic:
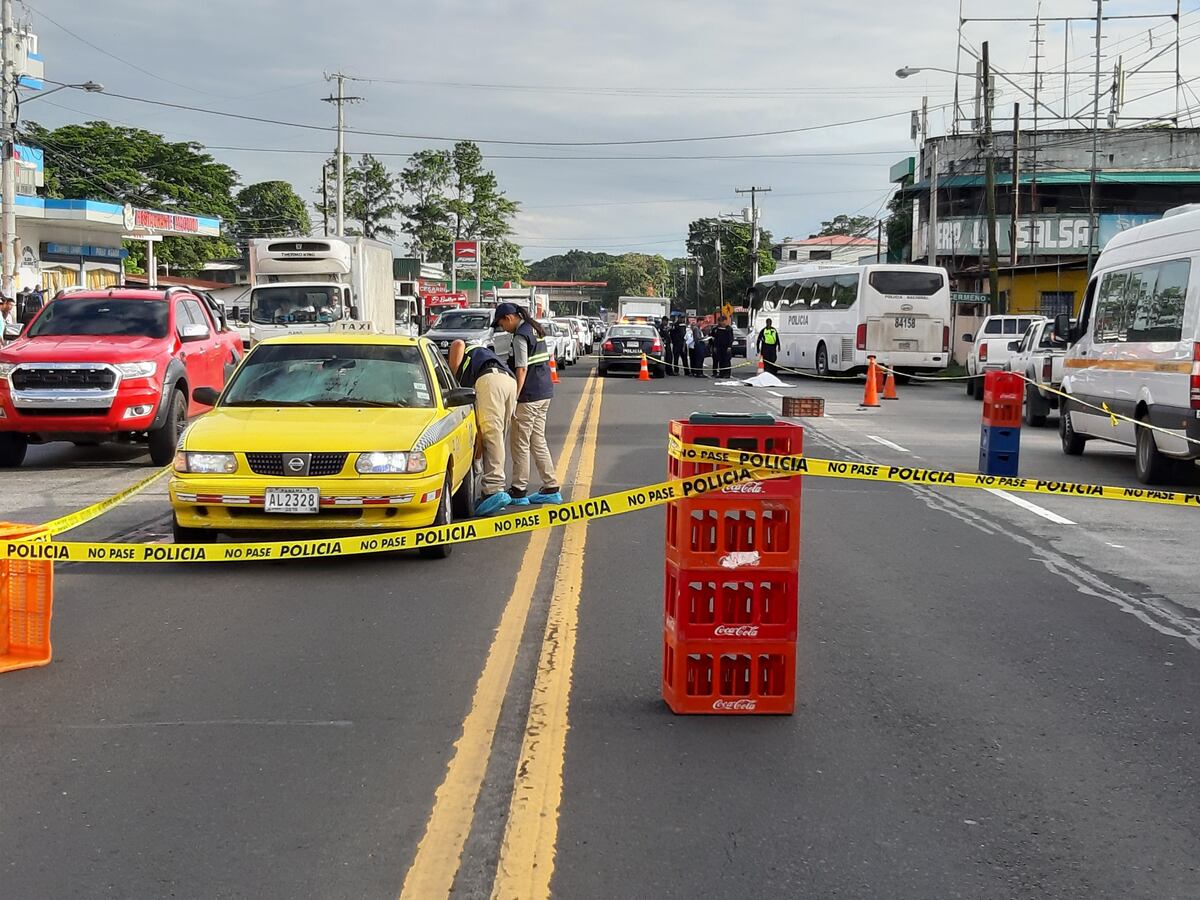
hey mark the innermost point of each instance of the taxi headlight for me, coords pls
(199, 463)
(390, 463)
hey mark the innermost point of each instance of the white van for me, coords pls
(1135, 348)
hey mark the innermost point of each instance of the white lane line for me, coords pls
(888, 443)
(1032, 507)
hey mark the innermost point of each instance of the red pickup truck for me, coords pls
(112, 365)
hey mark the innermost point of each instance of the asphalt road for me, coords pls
(991, 703)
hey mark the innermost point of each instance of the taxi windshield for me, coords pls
(353, 375)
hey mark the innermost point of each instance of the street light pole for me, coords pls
(341, 100)
(1093, 224)
(753, 191)
(8, 173)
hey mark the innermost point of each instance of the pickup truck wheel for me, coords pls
(1035, 407)
(445, 516)
(1151, 466)
(12, 449)
(1072, 443)
(165, 440)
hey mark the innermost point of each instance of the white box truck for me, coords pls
(311, 285)
(642, 309)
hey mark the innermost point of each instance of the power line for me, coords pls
(732, 156)
(505, 142)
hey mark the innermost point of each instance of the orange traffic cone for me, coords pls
(761, 367)
(871, 394)
(889, 386)
(553, 371)
(644, 372)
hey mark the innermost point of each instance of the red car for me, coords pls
(112, 365)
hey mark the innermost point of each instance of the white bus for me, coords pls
(831, 318)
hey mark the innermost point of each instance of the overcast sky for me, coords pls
(575, 71)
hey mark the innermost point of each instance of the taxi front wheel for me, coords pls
(445, 516)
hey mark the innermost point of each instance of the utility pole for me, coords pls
(341, 100)
(990, 187)
(1016, 185)
(932, 239)
(1092, 222)
(753, 191)
(8, 174)
(720, 270)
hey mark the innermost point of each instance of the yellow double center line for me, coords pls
(439, 854)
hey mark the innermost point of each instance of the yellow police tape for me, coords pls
(827, 468)
(85, 515)
(463, 532)
(742, 465)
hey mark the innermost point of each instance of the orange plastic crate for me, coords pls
(782, 438)
(729, 678)
(734, 531)
(26, 601)
(719, 604)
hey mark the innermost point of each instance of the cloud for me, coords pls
(581, 71)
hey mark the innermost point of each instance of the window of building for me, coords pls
(820, 254)
(793, 255)
(1053, 303)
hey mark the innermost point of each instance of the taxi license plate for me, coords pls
(906, 321)
(297, 501)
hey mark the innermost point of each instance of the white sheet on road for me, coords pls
(763, 379)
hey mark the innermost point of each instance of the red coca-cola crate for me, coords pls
(729, 678)
(1003, 395)
(734, 531)
(777, 438)
(743, 605)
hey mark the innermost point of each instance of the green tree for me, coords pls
(636, 275)
(118, 164)
(847, 224)
(574, 265)
(735, 261)
(270, 209)
(502, 261)
(448, 196)
(372, 198)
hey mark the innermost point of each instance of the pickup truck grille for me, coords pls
(271, 464)
(33, 378)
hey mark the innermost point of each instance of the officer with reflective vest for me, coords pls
(768, 347)
(529, 360)
(495, 404)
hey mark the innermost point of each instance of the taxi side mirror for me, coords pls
(460, 396)
(206, 396)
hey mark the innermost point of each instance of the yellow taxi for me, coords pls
(329, 432)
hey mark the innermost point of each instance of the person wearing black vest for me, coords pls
(495, 404)
(722, 344)
(680, 364)
(768, 347)
(664, 334)
(530, 362)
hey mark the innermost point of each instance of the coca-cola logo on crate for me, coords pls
(735, 705)
(736, 631)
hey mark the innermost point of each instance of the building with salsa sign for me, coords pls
(65, 243)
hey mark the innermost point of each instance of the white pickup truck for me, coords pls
(990, 347)
(1039, 357)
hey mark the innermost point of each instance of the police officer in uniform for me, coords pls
(680, 364)
(768, 347)
(664, 334)
(529, 360)
(495, 405)
(722, 343)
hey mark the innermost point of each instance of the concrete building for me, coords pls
(1141, 174)
(839, 249)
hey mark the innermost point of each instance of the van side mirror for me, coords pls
(969, 338)
(1062, 327)
(354, 312)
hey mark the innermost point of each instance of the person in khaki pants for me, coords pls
(495, 405)
(530, 362)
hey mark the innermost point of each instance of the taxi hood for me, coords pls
(307, 429)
